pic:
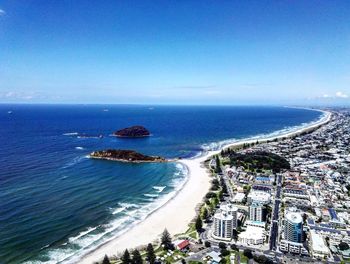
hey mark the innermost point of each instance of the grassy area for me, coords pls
(244, 259)
(176, 256)
(192, 232)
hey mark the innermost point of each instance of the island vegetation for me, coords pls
(125, 156)
(132, 132)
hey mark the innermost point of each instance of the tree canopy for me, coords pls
(126, 259)
(166, 240)
(106, 260)
(151, 256)
(343, 246)
(199, 224)
(136, 257)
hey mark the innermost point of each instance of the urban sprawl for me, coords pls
(285, 200)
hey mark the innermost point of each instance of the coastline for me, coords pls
(178, 212)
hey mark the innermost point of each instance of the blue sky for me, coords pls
(177, 52)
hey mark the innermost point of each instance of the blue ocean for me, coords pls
(56, 204)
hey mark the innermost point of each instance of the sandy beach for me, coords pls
(179, 211)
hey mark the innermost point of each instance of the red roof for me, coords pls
(183, 244)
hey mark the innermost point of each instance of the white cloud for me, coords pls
(338, 95)
(341, 95)
(2, 12)
(17, 96)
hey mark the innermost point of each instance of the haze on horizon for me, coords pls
(175, 52)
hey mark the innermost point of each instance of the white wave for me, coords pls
(71, 134)
(118, 210)
(81, 234)
(159, 188)
(79, 148)
(123, 206)
(88, 242)
(151, 195)
(214, 146)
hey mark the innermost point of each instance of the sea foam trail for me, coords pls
(79, 148)
(74, 161)
(71, 134)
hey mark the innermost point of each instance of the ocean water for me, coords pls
(56, 204)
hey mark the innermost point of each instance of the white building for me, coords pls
(293, 227)
(223, 225)
(318, 246)
(257, 212)
(292, 247)
(231, 210)
(225, 220)
(239, 197)
(259, 197)
(252, 236)
(314, 201)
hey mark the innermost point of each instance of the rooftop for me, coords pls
(293, 217)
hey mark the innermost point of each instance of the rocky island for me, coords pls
(132, 132)
(125, 156)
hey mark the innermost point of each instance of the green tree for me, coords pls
(151, 256)
(234, 234)
(216, 201)
(262, 259)
(106, 260)
(207, 244)
(222, 245)
(221, 196)
(166, 240)
(343, 246)
(210, 195)
(224, 252)
(136, 257)
(217, 164)
(199, 224)
(234, 247)
(205, 214)
(126, 257)
(248, 253)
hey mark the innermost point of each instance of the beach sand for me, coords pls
(179, 211)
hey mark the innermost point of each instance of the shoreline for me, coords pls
(179, 211)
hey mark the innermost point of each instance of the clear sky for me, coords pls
(178, 52)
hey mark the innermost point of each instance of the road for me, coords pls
(275, 215)
(227, 183)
